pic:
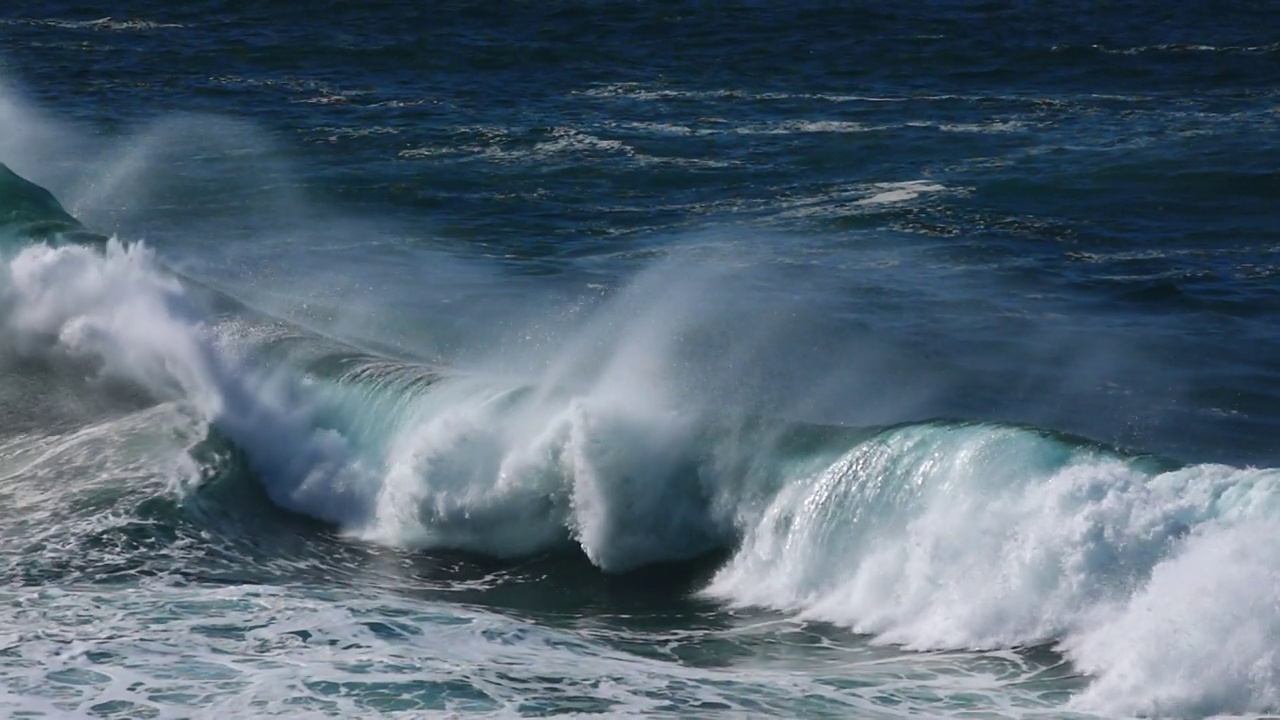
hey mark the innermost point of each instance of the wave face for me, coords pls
(386, 450)
(1158, 580)
(930, 535)
(26, 209)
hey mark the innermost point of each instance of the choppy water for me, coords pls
(825, 360)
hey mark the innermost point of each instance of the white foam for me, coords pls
(594, 452)
(174, 651)
(898, 192)
(472, 464)
(105, 23)
(1201, 638)
(1160, 585)
(136, 323)
(801, 127)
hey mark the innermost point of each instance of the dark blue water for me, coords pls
(639, 358)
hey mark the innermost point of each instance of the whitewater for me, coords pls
(1154, 579)
(628, 361)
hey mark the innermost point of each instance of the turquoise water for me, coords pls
(639, 359)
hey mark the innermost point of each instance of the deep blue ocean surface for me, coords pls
(639, 358)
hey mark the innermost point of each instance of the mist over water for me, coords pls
(456, 370)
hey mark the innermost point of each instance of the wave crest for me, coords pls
(1156, 579)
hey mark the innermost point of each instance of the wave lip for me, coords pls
(929, 535)
(454, 463)
(28, 210)
(1157, 581)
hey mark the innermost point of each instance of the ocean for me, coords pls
(624, 358)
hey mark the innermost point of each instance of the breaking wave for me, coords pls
(1157, 579)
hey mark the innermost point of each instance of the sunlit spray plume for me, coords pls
(666, 423)
(932, 535)
(37, 145)
(194, 174)
(981, 536)
(133, 322)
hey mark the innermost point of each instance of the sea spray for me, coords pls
(469, 465)
(928, 535)
(938, 536)
(131, 321)
(932, 535)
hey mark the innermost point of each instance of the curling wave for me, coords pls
(1157, 579)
